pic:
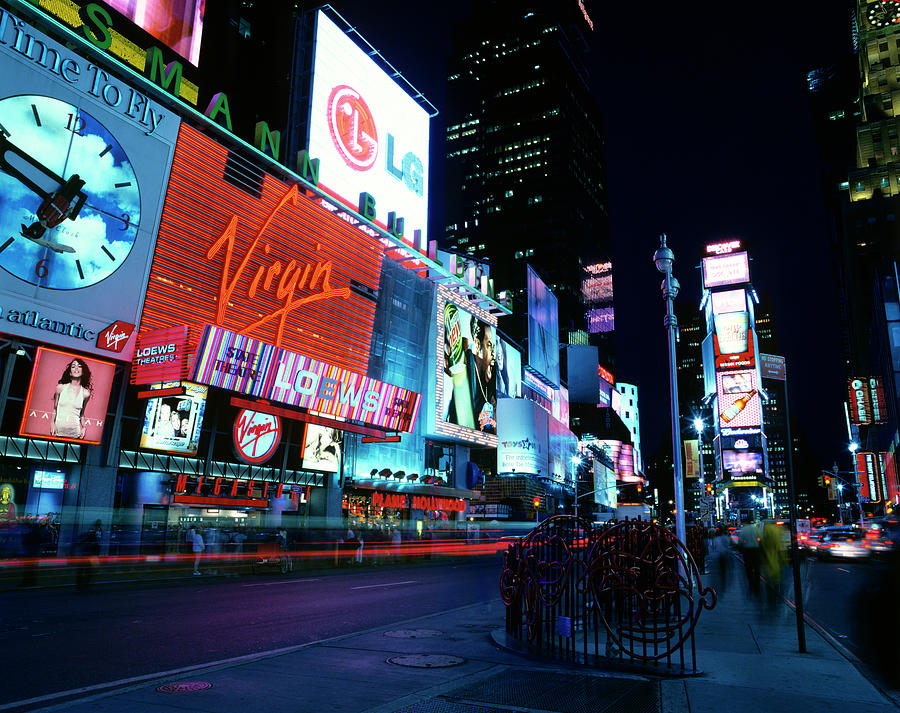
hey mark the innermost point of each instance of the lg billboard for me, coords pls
(367, 132)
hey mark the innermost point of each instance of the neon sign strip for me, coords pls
(248, 366)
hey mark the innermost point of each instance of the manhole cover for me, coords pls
(413, 633)
(426, 660)
(184, 687)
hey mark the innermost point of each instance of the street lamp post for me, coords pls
(698, 426)
(664, 259)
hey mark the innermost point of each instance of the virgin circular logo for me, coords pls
(352, 128)
(256, 435)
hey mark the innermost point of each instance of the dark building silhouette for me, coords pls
(525, 164)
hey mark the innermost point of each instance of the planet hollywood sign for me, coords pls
(400, 501)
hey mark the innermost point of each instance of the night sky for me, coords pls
(709, 135)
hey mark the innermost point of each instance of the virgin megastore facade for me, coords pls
(268, 355)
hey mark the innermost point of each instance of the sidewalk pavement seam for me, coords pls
(755, 641)
(435, 691)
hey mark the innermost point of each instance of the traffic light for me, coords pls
(640, 488)
(821, 481)
(826, 481)
(709, 488)
(536, 502)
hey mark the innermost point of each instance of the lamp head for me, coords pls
(854, 446)
(663, 257)
(698, 425)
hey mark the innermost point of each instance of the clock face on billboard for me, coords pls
(70, 203)
(882, 14)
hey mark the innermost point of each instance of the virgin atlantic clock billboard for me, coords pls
(84, 159)
(243, 250)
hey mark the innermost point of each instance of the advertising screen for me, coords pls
(237, 363)
(729, 269)
(367, 132)
(691, 458)
(860, 401)
(522, 444)
(876, 398)
(739, 401)
(82, 162)
(733, 341)
(322, 448)
(601, 319)
(467, 367)
(729, 301)
(563, 445)
(604, 484)
(258, 258)
(49, 479)
(509, 369)
(67, 397)
(178, 24)
(742, 465)
(173, 423)
(543, 330)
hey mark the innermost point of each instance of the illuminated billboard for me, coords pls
(367, 132)
(860, 401)
(741, 466)
(543, 330)
(178, 24)
(256, 436)
(259, 258)
(467, 365)
(739, 400)
(597, 286)
(522, 444)
(733, 341)
(247, 366)
(601, 319)
(322, 448)
(173, 423)
(509, 369)
(729, 301)
(727, 269)
(67, 397)
(83, 157)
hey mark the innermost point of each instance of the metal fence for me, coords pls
(629, 592)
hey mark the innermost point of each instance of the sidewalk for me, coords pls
(448, 663)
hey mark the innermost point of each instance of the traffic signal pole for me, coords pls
(795, 553)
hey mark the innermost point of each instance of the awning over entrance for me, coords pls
(385, 485)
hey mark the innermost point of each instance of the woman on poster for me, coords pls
(70, 400)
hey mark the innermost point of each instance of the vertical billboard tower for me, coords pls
(731, 370)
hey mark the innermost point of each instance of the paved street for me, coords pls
(58, 639)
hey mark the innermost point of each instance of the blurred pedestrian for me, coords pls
(720, 552)
(197, 547)
(89, 555)
(773, 559)
(396, 540)
(748, 541)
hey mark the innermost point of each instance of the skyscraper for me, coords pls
(857, 104)
(525, 154)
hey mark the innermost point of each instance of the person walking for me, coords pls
(197, 546)
(396, 541)
(748, 541)
(720, 553)
(773, 559)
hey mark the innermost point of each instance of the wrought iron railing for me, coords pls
(627, 593)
